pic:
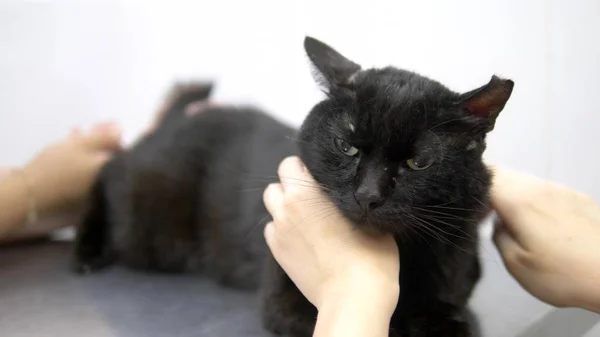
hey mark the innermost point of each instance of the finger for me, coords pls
(76, 131)
(508, 247)
(105, 136)
(273, 243)
(273, 200)
(104, 126)
(296, 179)
(102, 158)
(509, 198)
(269, 233)
(501, 190)
(289, 171)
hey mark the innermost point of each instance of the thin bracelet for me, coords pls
(32, 214)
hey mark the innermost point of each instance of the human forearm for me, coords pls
(360, 314)
(13, 203)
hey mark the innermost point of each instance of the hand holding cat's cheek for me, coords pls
(304, 202)
(319, 249)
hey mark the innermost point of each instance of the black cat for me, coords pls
(397, 152)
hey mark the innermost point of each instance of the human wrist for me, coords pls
(591, 302)
(358, 284)
(41, 189)
(13, 198)
(359, 313)
(587, 292)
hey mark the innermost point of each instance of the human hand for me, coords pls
(549, 238)
(62, 174)
(320, 250)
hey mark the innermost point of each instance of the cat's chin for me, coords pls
(376, 225)
(372, 224)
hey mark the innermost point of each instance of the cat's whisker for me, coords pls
(269, 181)
(415, 229)
(451, 216)
(468, 236)
(262, 222)
(452, 208)
(473, 239)
(401, 234)
(480, 202)
(321, 213)
(288, 179)
(296, 184)
(440, 230)
(307, 184)
(296, 140)
(418, 228)
(252, 189)
(313, 202)
(432, 228)
(448, 217)
(448, 202)
(270, 177)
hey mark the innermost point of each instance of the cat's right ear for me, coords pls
(332, 68)
(488, 101)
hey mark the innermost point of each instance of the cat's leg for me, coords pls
(92, 243)
(160, 235)
(440, 320)
(285, 310)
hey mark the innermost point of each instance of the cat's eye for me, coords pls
(345, 147)
(419, 165)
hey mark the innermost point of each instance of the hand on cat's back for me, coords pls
(320, 250)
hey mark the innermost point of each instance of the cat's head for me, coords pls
(392, 147)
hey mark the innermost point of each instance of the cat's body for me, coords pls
(397, 152)
(188, 197)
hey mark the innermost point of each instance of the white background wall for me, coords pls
(64, 64)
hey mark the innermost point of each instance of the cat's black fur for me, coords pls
(188, 197)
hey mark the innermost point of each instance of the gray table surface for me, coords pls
(40, 297)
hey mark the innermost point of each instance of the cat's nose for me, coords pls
(369, 198)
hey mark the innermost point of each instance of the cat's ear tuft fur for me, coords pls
(488, 101)
(332, 68)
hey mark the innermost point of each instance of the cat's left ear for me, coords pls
(333, 69)
(488, 101)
